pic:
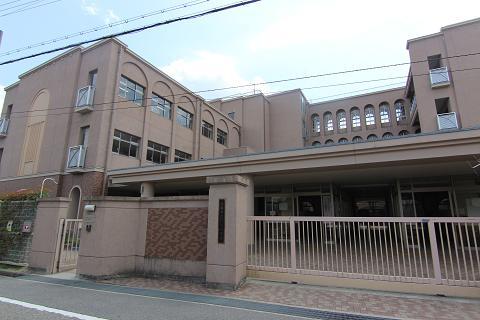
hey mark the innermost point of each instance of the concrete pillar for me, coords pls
(227, 261)
(147, 190)
(45, 242)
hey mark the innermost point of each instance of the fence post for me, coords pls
(293, 253)
(434, 248)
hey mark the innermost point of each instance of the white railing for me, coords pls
(414, 106)
(421, 250)
(4, 125)
(85, 96)
(70, 243)
(76, 157)
(447, 121)
(439, 76)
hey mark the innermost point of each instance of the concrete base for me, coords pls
(416, 288)
(182, 268)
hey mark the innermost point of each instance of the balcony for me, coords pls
(4, 127)
(413, 108)
(84, 102)
(447, 121)
(76, 158)
(439, 77)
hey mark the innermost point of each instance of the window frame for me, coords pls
(126, 85)
(181, 156)
(222, 137)
(341, 120)
(384, 113)
(370, 116)
(207, 129)
(184, 114)
(131, 141)
(161, 106)
(153, 148)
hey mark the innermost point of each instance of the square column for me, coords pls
(231, 200)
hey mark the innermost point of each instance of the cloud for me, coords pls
(111, 17)
(213, 69)
(90, 7)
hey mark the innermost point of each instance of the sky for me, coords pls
(264, 41)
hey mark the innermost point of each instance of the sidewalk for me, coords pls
(332, 299)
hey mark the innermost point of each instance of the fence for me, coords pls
(16, 226)
(421, 250)
(70, 231)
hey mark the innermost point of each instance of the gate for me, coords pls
(70, 230)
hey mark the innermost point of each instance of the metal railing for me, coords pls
(414, 106)
(76, 157)
(439, 77)
(85, 97)
(70, 243)
(421, 250)
(447, 121)
(4, 122)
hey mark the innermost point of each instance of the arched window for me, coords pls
(341, 120)
(357, 139)
(384, 113)
(329, 141)
(343, 140)
(403, 133)
(316, 123)
(372, 137)
(328, 121)
(387, 135)
(369, 115)
(355, 115)
(400, 112)
(316, 143)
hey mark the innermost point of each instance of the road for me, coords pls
(35, 297)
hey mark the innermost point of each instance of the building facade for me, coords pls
(359, 191)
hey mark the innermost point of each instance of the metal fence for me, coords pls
(16, 230)
(421, 250)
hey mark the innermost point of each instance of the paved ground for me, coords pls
(342, 300)
(37, 297)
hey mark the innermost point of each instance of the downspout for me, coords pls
(110, 120)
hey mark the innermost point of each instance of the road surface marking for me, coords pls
(51, 310)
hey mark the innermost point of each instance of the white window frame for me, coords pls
(154, 148)
(207, 129)
(127, 85)
(125, 137)
(184, 118)
(161, 106)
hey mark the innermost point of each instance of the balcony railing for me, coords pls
(414, 106)
(76, 157)
(85, 99)
(447, 121)
(4, 126)
(439, 77)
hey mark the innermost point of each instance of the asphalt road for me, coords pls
(27, 298)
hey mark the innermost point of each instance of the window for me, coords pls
(357, 139)
(355, 114)
(92, 78)
(434, 62)
(207, 130)
(125, 144)
(231, 115)
(84, 135)
(369, 115)
(182, 156)
(384, 113)
(403, 133)
(157, 153)
(329, 141)
(372, 137)
(316, 143)
(184, 118)
(131, 91)
(400, 113)
(387, 135)
(161, 106)
(316, 123)
(343, 140)
(341, 120)
(328, 121)
(222, 137)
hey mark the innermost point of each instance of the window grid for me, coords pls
(222, 137)
(356, 119)
(328, 122)
(157, 153)
(161, 106)
(316, 123)
(125, 144)
(370, 116)
(400, 111)
(342, 120)
(184, 118)
(207, 130)
(131, 91)
(182, 156)
(384, 114)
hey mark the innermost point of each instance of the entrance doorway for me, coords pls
(427, 204)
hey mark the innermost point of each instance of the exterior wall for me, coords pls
(121, 239)
(360, 102)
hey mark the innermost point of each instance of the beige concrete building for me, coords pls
(366, 191)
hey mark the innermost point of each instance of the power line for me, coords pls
(29, 8)
(216, 89)
(105, 26)
(183, 18)
(33, 2)
(4, 4)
